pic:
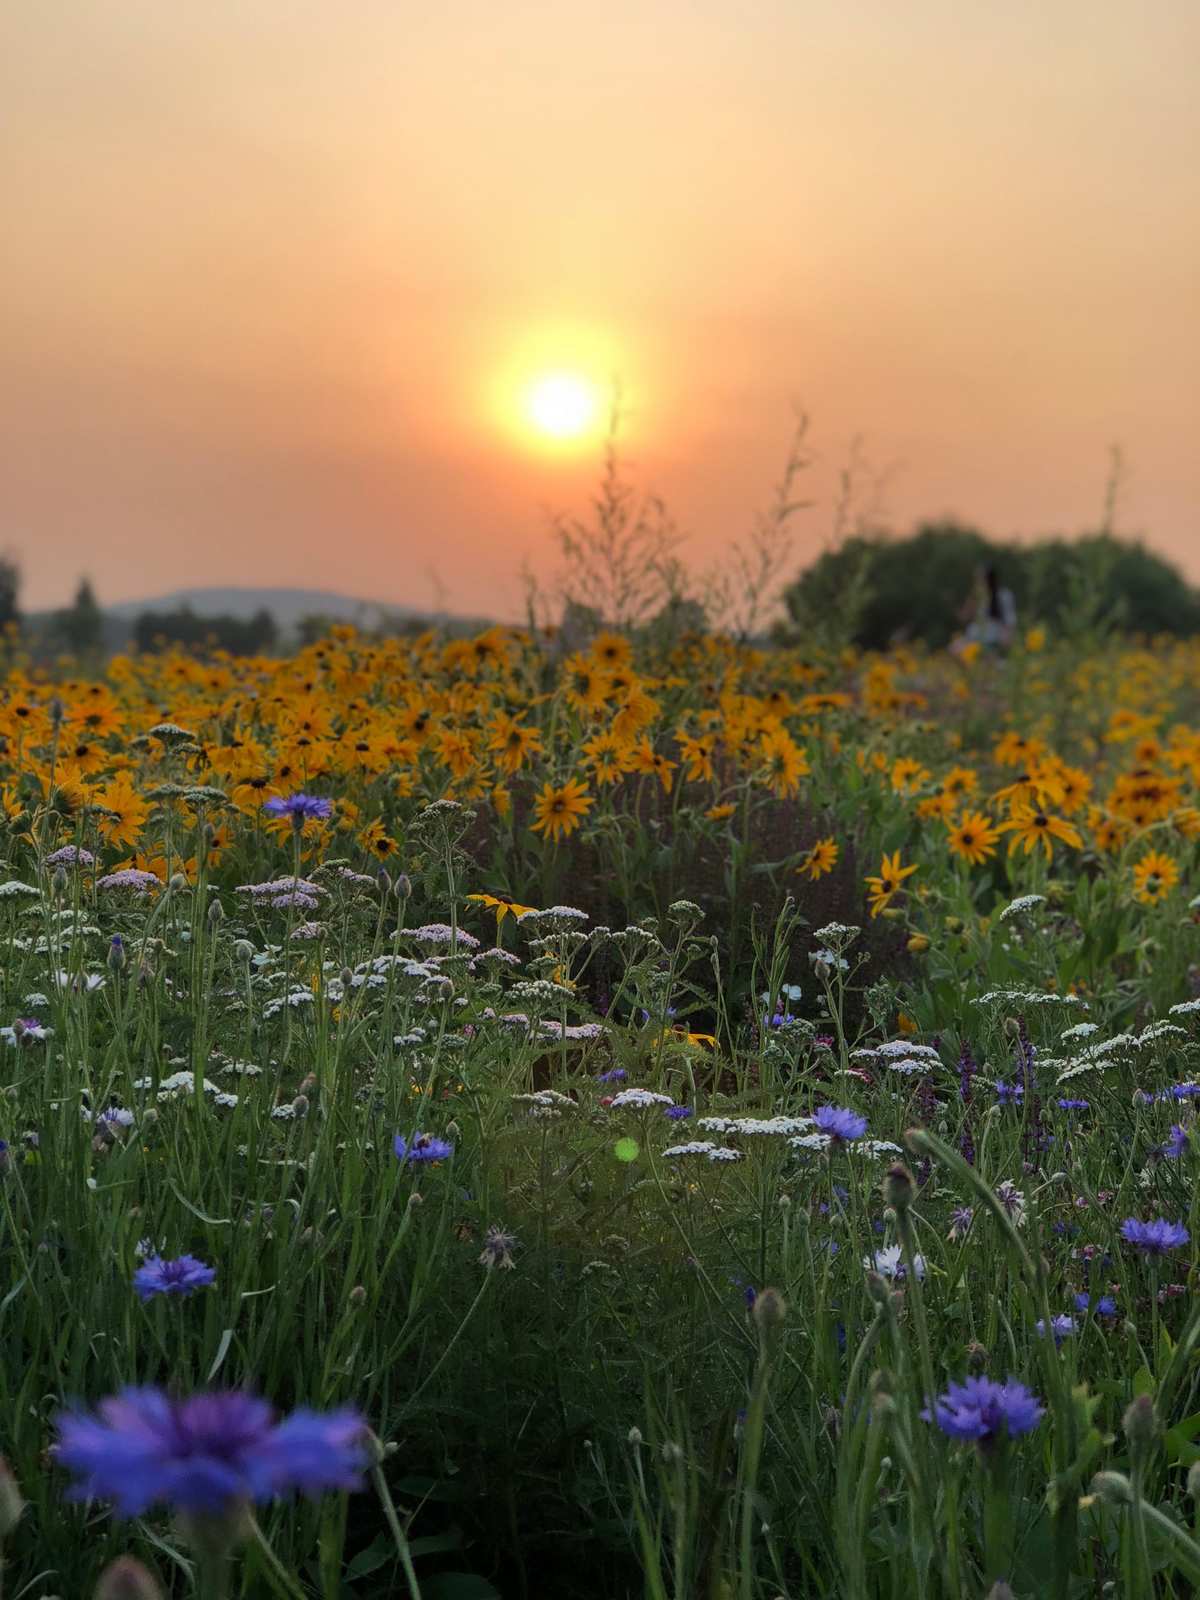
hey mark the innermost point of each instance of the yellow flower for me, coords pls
(720, 813)
(1030, 827)
(125, 811)
(820, 859)
(502, 908)
(785, 763)
(887, 881)
(1035, 640)
(973, 837)
(644, 758)
(1154, 876)
(513, 742)
(560, 808)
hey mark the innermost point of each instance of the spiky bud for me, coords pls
(243, 951)
(177, 883)
(358, 1296)
(216, 915)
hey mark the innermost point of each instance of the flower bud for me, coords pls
(1112, 1487)
(243, 951)
(216, 914)
(1000, 1591)
(116, 954)
(1193, 1480)
(918, 943)
(11, 1503)
(769, 1309)
(59, 882)
(127, 1579)
(898, 1187)
(347, 977)
(358, 1296)
(300, 1105)
(977, 1356)
(878, 1288)
(1140, 1421)
(177, 883)
(403, 886)
(634, 1437)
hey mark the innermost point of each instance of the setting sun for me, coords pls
(562, 405)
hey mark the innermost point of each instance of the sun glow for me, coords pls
(562, 405)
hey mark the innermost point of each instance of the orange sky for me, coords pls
(266, 262)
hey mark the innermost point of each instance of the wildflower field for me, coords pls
(669, 1120)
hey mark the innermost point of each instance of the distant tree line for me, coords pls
(240, 636)
(882, 590)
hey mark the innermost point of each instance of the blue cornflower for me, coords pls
(207, 1453)
(613, 1075)
(841, 1125)
(1061, 1327)
(422, 1147)
(1154, 1238)
(301, 808)
(982, 1409)
(1074, 1105)
(1009, 1093)
(1181, 1091)
(183, 1276)
(1102, 1305)
(677, 1113)
(1177, 1142)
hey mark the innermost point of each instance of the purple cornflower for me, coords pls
(207, 1453)
(841, 1126)
(613, 1075)
(1062, 1327)
(960, 1220)
(1154, 1238)
(1102, 1305)
(422, 1147)
(300, 807)
(1177, 1142)
(677, 1113)
(183, 1276)
(982, 1409)
(1074, 1105)
(1009, 1093)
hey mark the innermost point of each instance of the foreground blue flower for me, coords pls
(183, 1276)
(982, 1409)
(206, 1453)
(422, 1147)
(301, 808)
(1154, 1238)
(841, 1125)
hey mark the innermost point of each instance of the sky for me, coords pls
(277, 273)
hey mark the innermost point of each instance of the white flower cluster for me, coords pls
(1018, 907)
(1028, 997)
(702, 1147)
(642, 1098)
(754, 1127)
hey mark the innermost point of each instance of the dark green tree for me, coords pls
(81, 626)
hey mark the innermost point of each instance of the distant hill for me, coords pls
(287, 606)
